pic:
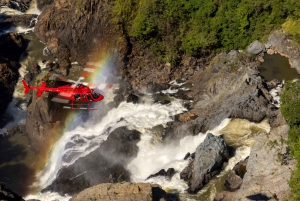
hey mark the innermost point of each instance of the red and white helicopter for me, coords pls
(76, 94)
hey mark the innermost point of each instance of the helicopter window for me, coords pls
(95, 95)
(77, 96)
(89, 97)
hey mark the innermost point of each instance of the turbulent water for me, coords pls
(146, 117)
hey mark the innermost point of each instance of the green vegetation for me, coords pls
(290, 109)
(173, 27)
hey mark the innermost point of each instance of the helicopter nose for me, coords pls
(100, 97)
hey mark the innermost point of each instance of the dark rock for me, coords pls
(168, 174)
(209, 158)
(44, 121)
(25, 20)
(240, 168)
(41, 4)
(16, 130)
(8, 195)
(233, 181)
(21, 5)
(112, 157)
(187, 156)
(155, 87)
(14, 46)
(9, 65)
(132, 98)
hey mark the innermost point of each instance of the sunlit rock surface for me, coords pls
(122, 192)
(209, 158)
(268, 168)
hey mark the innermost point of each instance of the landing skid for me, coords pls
(77, 106)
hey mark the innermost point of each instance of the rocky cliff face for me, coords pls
(209, 158)
(44, 122)
(64, 24)
(14, 46)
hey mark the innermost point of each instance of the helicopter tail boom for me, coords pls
(26, 87)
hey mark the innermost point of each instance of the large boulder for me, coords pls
(209, 158)
(256, 47)
(112, 157)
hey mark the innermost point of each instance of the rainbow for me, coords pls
(95, 71)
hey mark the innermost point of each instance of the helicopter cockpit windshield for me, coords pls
(95, 95)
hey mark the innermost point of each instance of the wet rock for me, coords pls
(8, 195)
(233, 181)
(121, 192)
(240, 168)
(16, 130)
(209, 158)
(21, 5)
(112, 157)
(44, 121)
(132, 98)
(168, 174)
(9, 65)
(25, 20)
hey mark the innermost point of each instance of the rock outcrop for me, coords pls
(44, 122)
(229, 87)
(63, 24)
(104, 165)
(21, 5)
(8, 195)
(282, 44)
(209, 158)
(266, 175)
(9, 65)
(123, 192)
(25, 20)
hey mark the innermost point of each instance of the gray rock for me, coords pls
(265, 176)
(209, 158)
(256, 47)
